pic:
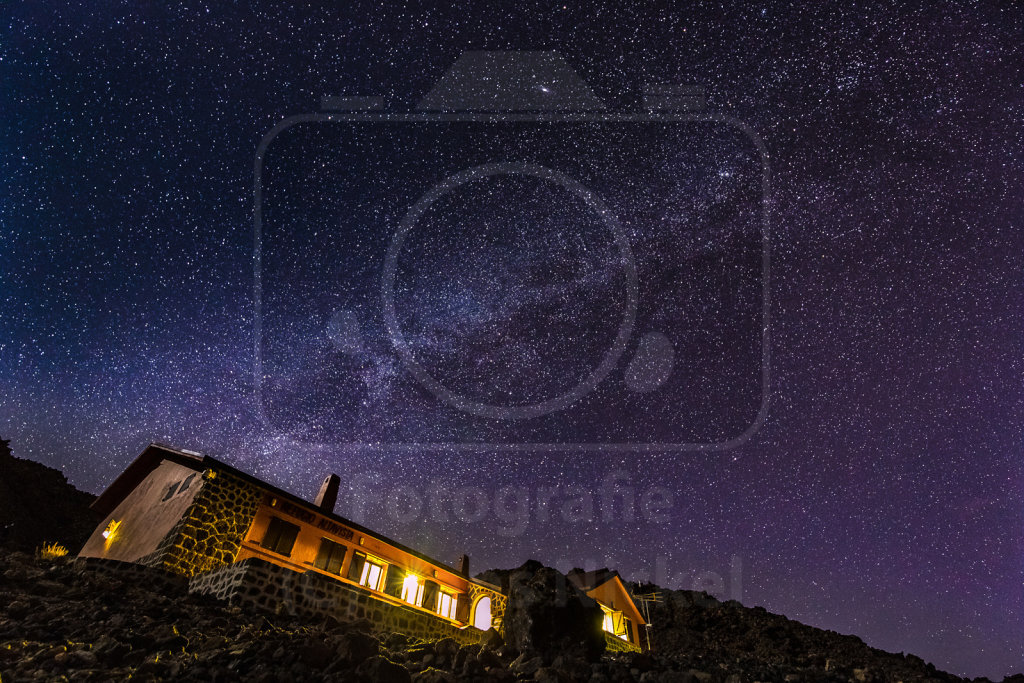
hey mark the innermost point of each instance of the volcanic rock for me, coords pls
(548, 616)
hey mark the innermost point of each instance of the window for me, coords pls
(462, 608)
(370, 576)
(446, 605)
(174, 488)
(628, 635)
(482, 614)
(280, 536)
(170, 491)
(330, 556)
(393, 583)
(366, 571)
(431, 591)
(616, 623)
(412, 589)
(355, 567)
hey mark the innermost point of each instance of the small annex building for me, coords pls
(622, 620)
(246, 541)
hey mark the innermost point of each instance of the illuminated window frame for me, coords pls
(609, 623)
(412, 590)
(373, 572)
(615, 623)
(446, 603)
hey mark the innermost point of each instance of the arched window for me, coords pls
(482, 614)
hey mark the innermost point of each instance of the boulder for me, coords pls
(491, 640)
(489, 659)
(465, 653)
(433, 676)
(550, 674)
(525, 665)
(382, 670)
(549, 616)
(315, 655)
(355, 647)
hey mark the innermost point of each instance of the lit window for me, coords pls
(446, 605)
(412, 589)
(609, 624)
(616, 623)
(370, 576)
(482, 614)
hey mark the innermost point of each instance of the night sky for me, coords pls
(883, 492)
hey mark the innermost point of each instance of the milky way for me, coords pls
(882, 494)
(515, 285)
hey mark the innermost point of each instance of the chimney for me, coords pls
(463, 566)
(328, 495)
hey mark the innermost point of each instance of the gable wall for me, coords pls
(145, 518)
(613, 594)
(210, 532)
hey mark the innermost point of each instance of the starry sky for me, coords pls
(881, 495)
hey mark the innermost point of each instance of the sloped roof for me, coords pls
(588, 581)
(140, 468)
(156, 453)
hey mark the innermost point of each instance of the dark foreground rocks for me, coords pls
(548, 616)
(697, 631)
(62, 621)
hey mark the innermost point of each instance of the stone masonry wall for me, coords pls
(211, 531)
(498, 604)
(258, 584)
(613, 643)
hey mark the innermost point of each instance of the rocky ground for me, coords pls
(62, 621)
(696, 630)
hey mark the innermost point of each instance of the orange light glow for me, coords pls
(412, 590)
(110, 533)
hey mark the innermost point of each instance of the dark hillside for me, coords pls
(38, 505)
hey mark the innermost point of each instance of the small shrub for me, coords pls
(51, 551)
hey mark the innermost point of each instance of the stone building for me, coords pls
(248, 542)
(622, 620)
